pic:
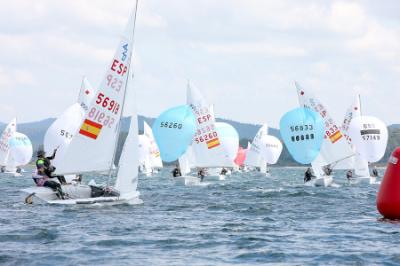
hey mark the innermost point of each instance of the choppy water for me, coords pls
(247, 219)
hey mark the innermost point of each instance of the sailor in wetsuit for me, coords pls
(349, 175)
(176, 172)
(375, 172)
(308, 175)
(45, 162)
(201, 173)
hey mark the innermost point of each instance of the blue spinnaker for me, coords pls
(173, 131)
(302, 131)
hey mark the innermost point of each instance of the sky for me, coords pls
(243, 55)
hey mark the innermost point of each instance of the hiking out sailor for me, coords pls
(176, 172)
(349, 174)
(375, 172)
(308, 175)
(49, 169)
(42, 180)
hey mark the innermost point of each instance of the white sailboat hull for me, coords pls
(187, 180)
(363, 180)
(324, 181)
(81, 194)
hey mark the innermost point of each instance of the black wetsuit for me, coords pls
(349, 175)
(375, 172)
(224, 171)
(48, 168)
(176, 172)
(308, 176)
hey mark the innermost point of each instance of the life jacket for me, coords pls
(39, 179)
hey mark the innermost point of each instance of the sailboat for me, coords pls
(254, 158)
(155, 158)
(335, 147)
(368, 136)
(271, 149)
(15, 150)
(94, 146)
(207, 148)
(144, 156)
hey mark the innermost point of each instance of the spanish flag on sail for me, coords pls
(213, 143)
(90, 129)
(335, 136)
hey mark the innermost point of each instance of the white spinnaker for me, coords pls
(335, 147)
(60, 133)
(370, 136)
(127, 177)
(229, 141)
(86, 94)
(206, 145)
(253, 157)
(271, 149)
(20, 150)
(5, 141)
(155, 158)
(92, 149)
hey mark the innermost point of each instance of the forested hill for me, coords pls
(36, 130)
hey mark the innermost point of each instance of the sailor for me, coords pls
(224, 171)
(201, 173)
(176, 172)
(349, 174)
(375, 172)
(3, 169)
(19, 170)
(328, 170)
(49, 169)
(42, 180)
(308, 175)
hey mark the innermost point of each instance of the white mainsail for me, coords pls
(206, 145)
(7, 134)
(253, 157)
(155, 158)
(86, 94)
(359, 164)
(144, 153)
(186, 161)
(93, 147)
(335, 147)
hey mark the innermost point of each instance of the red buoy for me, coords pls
(388, 199)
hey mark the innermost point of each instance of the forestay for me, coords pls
(92, 148)
(206, 145)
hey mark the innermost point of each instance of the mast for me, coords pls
(123, 101)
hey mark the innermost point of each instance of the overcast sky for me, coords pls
(244, 55)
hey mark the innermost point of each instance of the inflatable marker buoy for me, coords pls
(388, 199)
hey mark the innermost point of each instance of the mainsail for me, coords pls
(93, 147)
(335, 147)
(253, 157)
(206, 145)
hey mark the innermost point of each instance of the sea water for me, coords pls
(245, 220)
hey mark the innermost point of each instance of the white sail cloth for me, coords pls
(155, 158)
